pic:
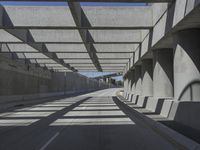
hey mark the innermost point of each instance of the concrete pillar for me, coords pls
(107, 80)
(129, 83)
(130, 79)
(163, 73)
(187, 65)
(147, 77)
(132, 83)
(138, 80)
(125, 87)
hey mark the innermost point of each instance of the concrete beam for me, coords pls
(52, 18)
(23, 36)
(78, 15)
(123, 48)
(117, 35)
(26, 36)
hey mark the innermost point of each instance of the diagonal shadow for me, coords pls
(40, 125)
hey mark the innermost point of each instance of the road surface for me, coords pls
(94, 121)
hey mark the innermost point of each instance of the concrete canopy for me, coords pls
(75, 37)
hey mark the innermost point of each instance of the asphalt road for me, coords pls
(94, 121)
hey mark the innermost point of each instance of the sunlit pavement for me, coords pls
(94, 121)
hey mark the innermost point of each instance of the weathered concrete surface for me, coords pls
(42, 16)
(147, 77)
(27, 81)
(168, 19)
(138, 80)
(56, 35)
(187, 66)
(102, 16)
(163, 73)
(116, 35)
(182, 140)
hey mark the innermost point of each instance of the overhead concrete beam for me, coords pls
(117, 35)
(52, 18)
(123, 48)
(5, 37)
(78, 15)
(23, 36)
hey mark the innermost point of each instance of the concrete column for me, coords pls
(132, 83)
(163, 73)
(125, 86)
(129, 83)
(187, 65)
(107, 80)
(138, 80)
(147, 77)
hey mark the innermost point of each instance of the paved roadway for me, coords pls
(94, 121)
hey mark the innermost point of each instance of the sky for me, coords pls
(88, 74)
(95, 74)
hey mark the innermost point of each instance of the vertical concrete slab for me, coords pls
(163, 73)
(125, 87)
(138, 80)
(180, 9)
(132, 82)
(187, 65)
(147, 77)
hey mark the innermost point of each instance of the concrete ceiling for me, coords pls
(75, 38)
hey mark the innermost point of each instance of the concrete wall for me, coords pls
(174, 47)
(187, 65)
(19, 80)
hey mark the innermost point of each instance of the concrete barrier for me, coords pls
(162, 107)
(167, 104)
(142, 101)
(135, 99)
(186, 113)
(151, 104)
(130, 97)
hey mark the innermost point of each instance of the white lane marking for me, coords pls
(49, 141)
